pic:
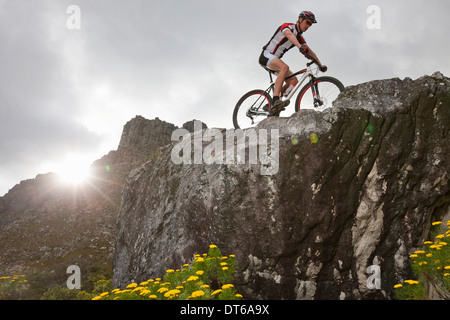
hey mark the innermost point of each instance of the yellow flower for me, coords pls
(442, 243)
(440, 236)
(137, 289)
(162, 290)
(171, 293)
(224, 268)
(223, 263)
(413, 256)
(429, 255)
(179, 287)
(238, 296)
(419, 252)
(144, 283)
(447, 267)
(199, 272)
(436, 223)
(205, 286)
(170, 271)
(197, 294)
(428, 242)
(192, 278)
(144, 292)
(232, 256)
(104, 294)
(398, 286)
(216, 292)
(446, 274)
(152, 296)
(97, 298)
(132, 285)
(199, 259)
(185, 265)
(227, 286)
(212, 246)
(412, 281)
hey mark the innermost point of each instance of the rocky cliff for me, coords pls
(355, 186)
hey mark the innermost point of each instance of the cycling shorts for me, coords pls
(266, 58)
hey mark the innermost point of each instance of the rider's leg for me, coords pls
(292, 81)
(282, 69)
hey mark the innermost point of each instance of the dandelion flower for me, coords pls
(413, 256)
(447, 267)
(436, 223)
(97, 298)
(428, 242)
(197, 294)
(212, 246)
(170, 271)
(224, 268)
(440, 236)
(171, 293)
(238, 296)
(162, 290)
(397, 286)
(227, 286)
(216, 292)
(152, 296)
(132, 285)
(192, 278)
(200, 272)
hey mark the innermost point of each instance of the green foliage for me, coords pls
(432, 269)
(193, 282)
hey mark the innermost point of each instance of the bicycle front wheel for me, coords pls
(329, 89)
(251, 109)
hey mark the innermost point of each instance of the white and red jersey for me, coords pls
(279, 43)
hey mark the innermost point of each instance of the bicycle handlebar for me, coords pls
(312, 61)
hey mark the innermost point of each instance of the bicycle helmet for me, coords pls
(308, 15)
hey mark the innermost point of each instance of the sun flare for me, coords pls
(75, 170)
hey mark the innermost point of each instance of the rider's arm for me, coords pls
(292, 38)
(313, 54)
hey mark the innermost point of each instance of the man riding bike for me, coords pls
(286, 37)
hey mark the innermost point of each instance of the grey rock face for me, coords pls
(357, 185)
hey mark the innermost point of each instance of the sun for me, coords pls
(74, 170)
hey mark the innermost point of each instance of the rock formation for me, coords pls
(356, 186)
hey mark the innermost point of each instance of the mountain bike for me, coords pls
(318, 93)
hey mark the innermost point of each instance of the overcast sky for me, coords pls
(66, 93)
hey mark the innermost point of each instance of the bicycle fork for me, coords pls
(315, 91)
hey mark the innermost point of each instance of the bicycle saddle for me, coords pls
(268, 69)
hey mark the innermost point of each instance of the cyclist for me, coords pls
(286, 37)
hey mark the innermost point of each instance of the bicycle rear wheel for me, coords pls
(329, 89)
(251, 109)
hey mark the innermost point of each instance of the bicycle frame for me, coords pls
(307, 72)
